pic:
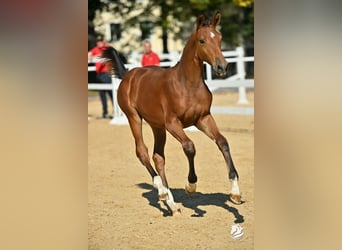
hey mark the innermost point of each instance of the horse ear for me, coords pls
(215, 20)
(200, 20)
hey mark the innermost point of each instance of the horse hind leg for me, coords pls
(135, 123)
(160, 181)
(166, 195)
(159, 160)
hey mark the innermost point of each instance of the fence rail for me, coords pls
(237, 80)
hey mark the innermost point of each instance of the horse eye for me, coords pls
(201, 41)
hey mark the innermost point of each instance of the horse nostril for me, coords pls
(219, 69)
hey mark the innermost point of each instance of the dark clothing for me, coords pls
(104, 78)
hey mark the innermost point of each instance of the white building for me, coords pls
(128, 39)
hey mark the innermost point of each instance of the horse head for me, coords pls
(208, 43)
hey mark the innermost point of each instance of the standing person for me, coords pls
(149, 57)
(102, 74)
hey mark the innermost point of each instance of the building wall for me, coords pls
(130, 41)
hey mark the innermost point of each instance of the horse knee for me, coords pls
(157, 158)
(142, 155)
(158, 161)
(189, 148)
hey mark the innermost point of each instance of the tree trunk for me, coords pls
(164, 37)
(164, 14)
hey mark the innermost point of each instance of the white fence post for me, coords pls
(118, 116)
(238, 80)
(208, 69)
(242, 75)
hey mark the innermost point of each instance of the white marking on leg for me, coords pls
(157, 182)
(212, 35)
(235, 187)
(170, 201)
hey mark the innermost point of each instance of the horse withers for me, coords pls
(175, 98)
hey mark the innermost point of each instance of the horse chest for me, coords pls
(192, 107)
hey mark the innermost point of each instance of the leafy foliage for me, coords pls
(237, 22)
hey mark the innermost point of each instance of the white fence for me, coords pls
(237, 80)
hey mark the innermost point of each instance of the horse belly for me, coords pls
(152, 113)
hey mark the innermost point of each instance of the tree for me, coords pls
(93, 6)
(237, 23)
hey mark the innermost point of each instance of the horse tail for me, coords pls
(116, 63)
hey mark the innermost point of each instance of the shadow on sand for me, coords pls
(191, 201)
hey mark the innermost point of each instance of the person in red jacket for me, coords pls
(102, 74)
(149, 57)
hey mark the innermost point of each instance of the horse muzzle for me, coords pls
(221, 68)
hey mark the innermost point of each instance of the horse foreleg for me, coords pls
(208, 126)
(175, 128)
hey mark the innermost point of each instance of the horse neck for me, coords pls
(190, 65)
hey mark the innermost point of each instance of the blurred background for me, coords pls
(167, 24)
(44, 118)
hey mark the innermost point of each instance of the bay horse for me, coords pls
(172, 99)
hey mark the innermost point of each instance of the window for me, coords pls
(146, 29)
(115, 32)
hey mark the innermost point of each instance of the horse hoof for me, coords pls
(190, 188)
(163, 197)
(235, 198)
(176, 212)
